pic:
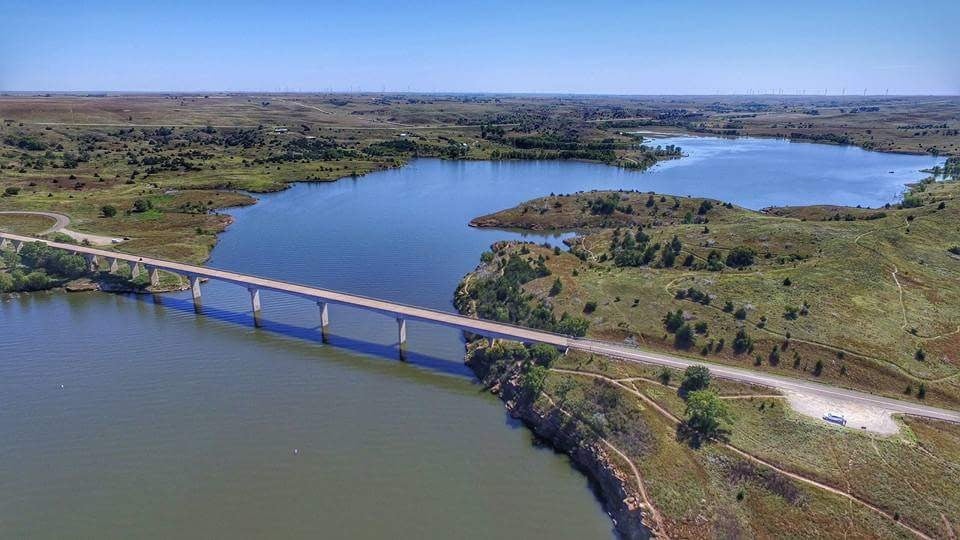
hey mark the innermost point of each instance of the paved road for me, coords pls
(513, 333)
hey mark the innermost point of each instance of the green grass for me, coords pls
(854, 323)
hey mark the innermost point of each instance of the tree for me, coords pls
(534, 380)
(556, 288)
(922, 391)
(664, 376)
(142, 205)
(706, 413)
(543, 354)
(818, 368)
(684, 337)
(740, 257)
(673, 320)
(695, 378)
(742, 342)
(108, 210)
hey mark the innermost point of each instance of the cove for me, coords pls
(169, 422)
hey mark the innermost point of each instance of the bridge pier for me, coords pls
(255, 300)
(134, 269)
(402, 337)
(154, 273)
(17, 245)
(195, 289)
(114, 265)
(93, 262)
(3, 243)
(324, 320)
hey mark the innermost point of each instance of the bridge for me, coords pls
(489, 329)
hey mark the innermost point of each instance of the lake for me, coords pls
(129, 415)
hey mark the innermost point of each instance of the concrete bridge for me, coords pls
(490, 329)
(323, 297)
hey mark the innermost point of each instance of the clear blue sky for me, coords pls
(632, 47)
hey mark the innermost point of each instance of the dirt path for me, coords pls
(60, 225)
(748, 456)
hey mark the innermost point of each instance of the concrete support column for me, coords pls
(324, 320)
(402, 331)
(17, 245)
(195, 288)
(3, 242)
(402, 337)
(154, 275)
(93, 262)
(134, 269)
(112, 261)
(255, 300)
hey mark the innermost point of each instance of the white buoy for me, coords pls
(296, 451)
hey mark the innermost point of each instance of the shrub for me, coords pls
(818, 368)
(108, 210)
(534, 380)
(673, 320)
(11, 191)
(590, 307)
(740, 314)
(684, 338)
(742, 342)
(142, 205)
(543, 354)
(695, 378)
(741, 257)
(700, 327)
(955, 250)
(706, 413)
(556, 288)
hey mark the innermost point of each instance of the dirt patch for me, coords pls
(863, 417)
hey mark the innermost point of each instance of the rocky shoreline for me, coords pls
(617, 490)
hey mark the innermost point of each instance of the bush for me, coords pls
(108, 210)
(590, 307)
(695, 378)
(742, 342)
(740, 257)
(673, 320)
(543, 354)
(684, 338)
(955, 250)
(740, 314)
(818, 368)
(534, 380)
(706, 413)
(11, 191)
(142, 205)
(556, 288)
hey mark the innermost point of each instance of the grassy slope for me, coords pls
(913, 475)
(856, 326)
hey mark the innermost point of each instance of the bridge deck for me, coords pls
(510, 332)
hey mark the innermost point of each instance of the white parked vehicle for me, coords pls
(835, 418)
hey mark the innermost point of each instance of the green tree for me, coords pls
(108, 210)
(742, 342)
(740, 257)
(142, 205)
(543, 354)
(706, 413)
(695, 378)
(534, 381)
(684, 337)
(556, 288)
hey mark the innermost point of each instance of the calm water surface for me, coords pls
(130, 416)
